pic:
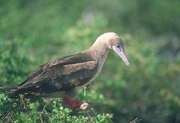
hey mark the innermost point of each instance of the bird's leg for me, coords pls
(76, 105)
(73, 104)
(85, 88)
(71, 101)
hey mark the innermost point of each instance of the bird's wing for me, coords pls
(59, 75)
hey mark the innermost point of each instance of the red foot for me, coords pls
(73, 104)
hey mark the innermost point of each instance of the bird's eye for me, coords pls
(118, 46)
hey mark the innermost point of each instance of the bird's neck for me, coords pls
(98, 52)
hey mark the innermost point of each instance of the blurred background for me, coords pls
(33, 32)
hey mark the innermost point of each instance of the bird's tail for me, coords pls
(9, 90)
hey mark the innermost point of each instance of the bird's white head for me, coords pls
(114, 42)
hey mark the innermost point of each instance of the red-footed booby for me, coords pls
(64, 77)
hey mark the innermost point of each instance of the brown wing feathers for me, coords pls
(58, 75)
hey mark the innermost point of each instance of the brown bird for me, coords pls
(64, 77)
